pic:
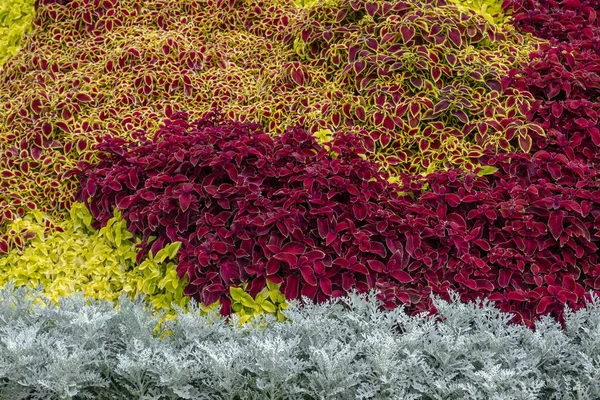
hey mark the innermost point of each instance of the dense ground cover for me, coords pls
(416, 148)
(423, 101)
(436, 149)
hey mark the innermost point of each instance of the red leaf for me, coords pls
(413, 242)
(292, 287)
(595, 134)
(319, 268)
(298, 77)
(373, 44)
(375, 265)
(441, 106)
(358, 66)
(504, 277)
(569, 282)
(220, 247)
(378, 248)
(407, 33)
(184, 201)
(47, 129)
(313, 255)
(371, 8)
(325, 285)
(525, 143)
(36, 152)
(484, 284)
(90, 188)
(494, 85)
(293, 248)
(388, 123)
(272, 266)
(543, 305)
(572, 3)
(461, 115)
(309, 291)
(401, 276)
(288, 258)
(360, 211)
(125, 202)
(347, 281)
(81, 145)
(308, 275)
(455, 37)
(360, 268)
(133, 179)
(555, 223)
(361, 115)
(331, 237)
(452, 199)
(84, 98)
(323, 227)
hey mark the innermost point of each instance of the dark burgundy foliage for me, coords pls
(566, 84)
(248, 208)
(558, 21)
(526, 238)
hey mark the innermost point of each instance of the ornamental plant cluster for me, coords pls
(289, 187)
(99, 263)
(15, 21)
(525, 237)
(531, 231)
(346, 350)
(489, 9)
(250, 208)
(419, 80)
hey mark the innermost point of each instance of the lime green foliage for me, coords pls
(323, 136)
(15, 21)
(489, 9)
(270, 300)
(99, 263)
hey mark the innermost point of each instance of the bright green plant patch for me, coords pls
(99, 263)
(489, 9)
(15, 21)
(270, 300)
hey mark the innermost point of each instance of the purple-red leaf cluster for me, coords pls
(248, 207)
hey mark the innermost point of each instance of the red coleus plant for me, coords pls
(565, 80)
(558, 21)
(526, 237)
(248, 207)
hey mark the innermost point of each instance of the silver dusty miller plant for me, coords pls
(344, 349)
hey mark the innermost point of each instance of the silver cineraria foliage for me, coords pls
(344, 349)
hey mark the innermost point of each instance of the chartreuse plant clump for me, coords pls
(490, 9)
(418, 79)
(100, 263)
(346, 350)
(16, 18)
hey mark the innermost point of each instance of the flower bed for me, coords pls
(251, 154)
